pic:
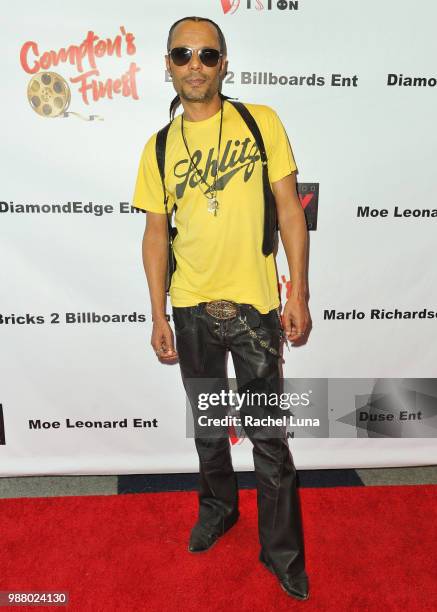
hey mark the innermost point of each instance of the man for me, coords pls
(224, 292)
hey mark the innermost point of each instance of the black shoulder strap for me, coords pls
(161, 141)
(270, 216)
(253, 127)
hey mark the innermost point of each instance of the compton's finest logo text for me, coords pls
(231, 6)
(49, 92)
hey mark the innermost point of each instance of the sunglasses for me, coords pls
(182, 55)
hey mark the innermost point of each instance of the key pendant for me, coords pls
(212, 205)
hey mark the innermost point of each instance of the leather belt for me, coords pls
(226, 309)
(222, 309)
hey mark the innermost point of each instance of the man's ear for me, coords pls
(224, 66)
(167, 64)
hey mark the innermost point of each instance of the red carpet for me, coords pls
(367, 548)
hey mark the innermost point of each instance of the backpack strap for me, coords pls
(270, 214)
(253, 127)
(161, 141)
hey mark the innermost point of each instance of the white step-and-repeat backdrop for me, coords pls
(84, 86)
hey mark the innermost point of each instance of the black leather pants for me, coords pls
(202, 343)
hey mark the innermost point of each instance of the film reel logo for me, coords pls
(49, 95)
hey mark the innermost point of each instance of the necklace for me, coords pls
(211, 193)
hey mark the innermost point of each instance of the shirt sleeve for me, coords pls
(148, 193)
(278, 148)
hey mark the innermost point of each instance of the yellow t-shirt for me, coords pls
(218, 257)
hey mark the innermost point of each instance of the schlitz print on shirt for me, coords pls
(237, 156)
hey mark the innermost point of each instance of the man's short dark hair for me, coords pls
(220, 34)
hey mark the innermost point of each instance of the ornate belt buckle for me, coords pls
(222, 309)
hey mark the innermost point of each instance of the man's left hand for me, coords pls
(295, 318)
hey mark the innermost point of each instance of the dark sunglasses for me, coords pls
(182, 55)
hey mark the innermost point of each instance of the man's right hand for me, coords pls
(163, 341)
